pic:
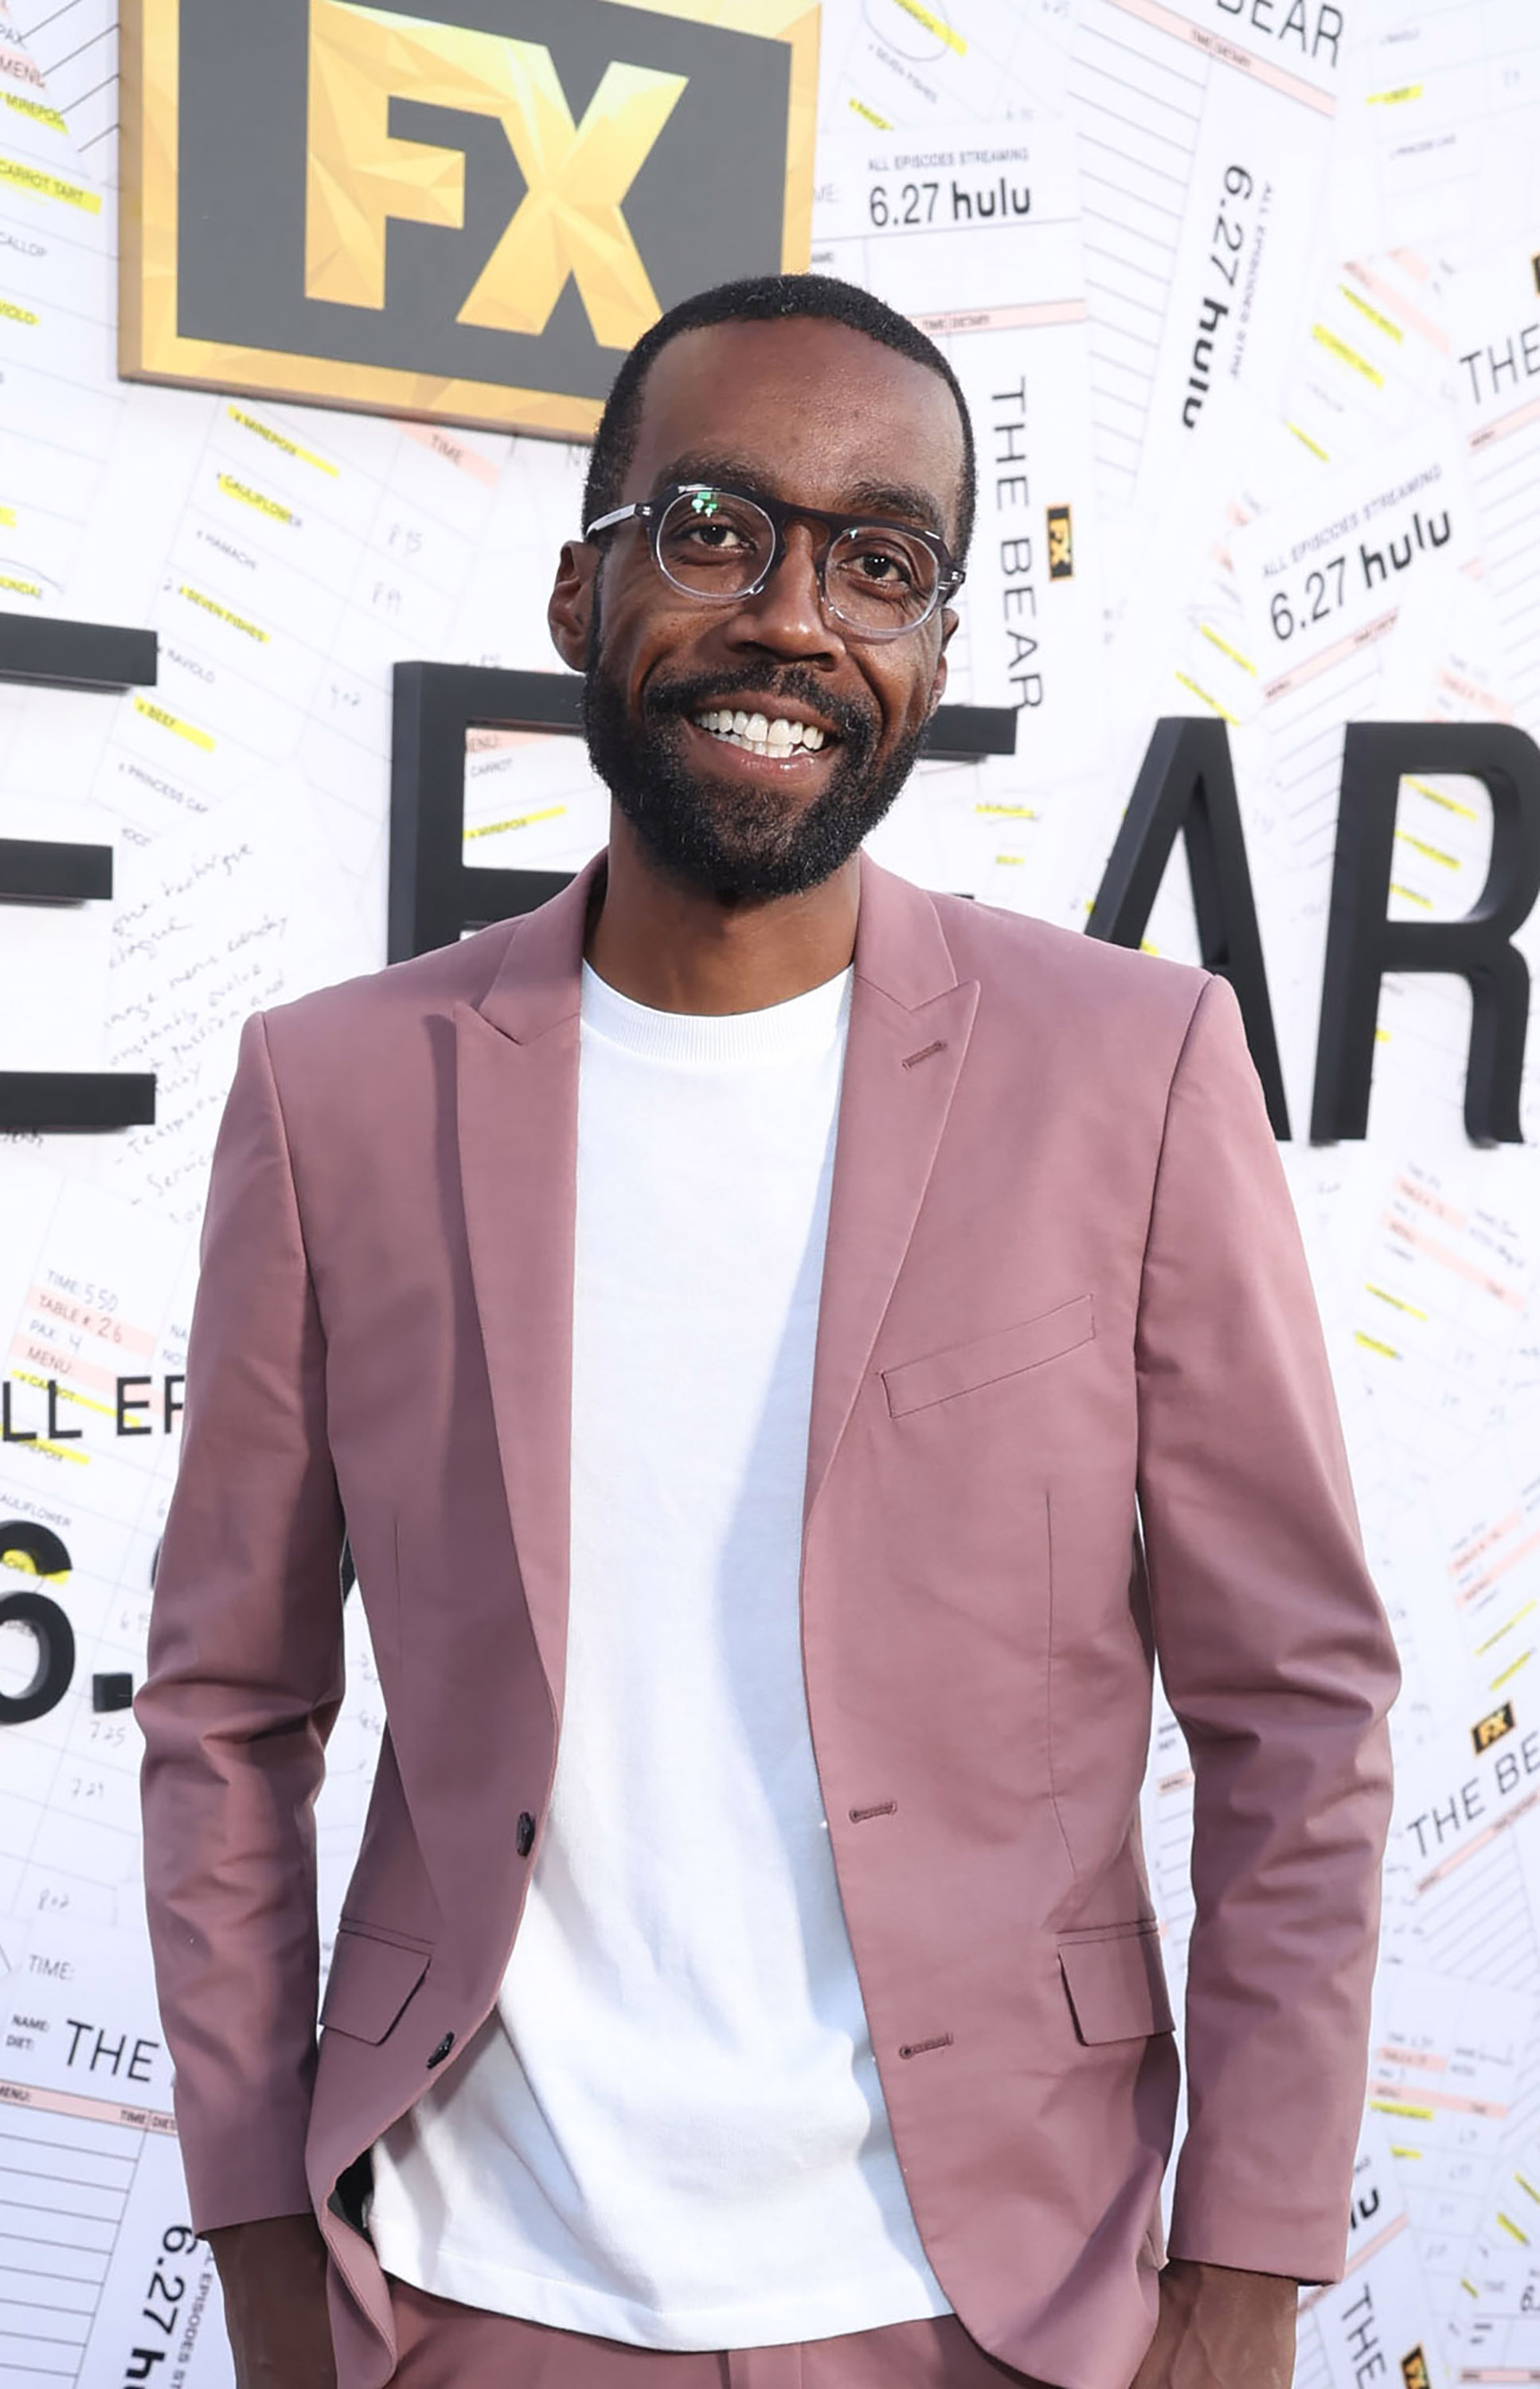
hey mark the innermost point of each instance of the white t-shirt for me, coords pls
(670, 2130)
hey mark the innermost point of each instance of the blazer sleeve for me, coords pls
(244, 1678)
(1279, 1662)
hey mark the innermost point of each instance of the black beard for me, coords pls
(732, 842)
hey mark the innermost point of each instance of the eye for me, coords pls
(878, 564)
(724, 536)
(882, 563)
(705, 531)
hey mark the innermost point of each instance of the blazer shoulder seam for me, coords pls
(1204, 986)
(286, 1142)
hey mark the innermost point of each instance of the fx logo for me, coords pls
(469, 209)
(1493, 1727)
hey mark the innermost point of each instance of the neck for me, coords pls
(678, 949)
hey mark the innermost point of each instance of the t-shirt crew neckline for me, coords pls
(804, 1024)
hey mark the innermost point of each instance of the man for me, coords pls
(820, 1342)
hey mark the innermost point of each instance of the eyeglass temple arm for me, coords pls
(640, 508)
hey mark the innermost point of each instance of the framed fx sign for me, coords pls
(464, 209)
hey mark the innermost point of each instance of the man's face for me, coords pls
(804, 411)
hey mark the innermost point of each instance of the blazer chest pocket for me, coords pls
(1117, 1983)
(1009, 1352)
(370, 1983)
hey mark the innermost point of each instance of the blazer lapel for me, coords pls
(910, 1024)
(518, 1090)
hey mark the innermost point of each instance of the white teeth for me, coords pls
(760, 734)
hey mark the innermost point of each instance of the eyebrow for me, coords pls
(900, 500)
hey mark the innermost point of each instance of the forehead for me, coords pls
(816, 411)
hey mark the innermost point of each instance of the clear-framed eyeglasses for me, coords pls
(877, 580)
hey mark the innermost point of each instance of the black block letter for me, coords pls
(36, 870)
(1185, 784)
(1362, 945)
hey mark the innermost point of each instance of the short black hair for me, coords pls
(767, 298)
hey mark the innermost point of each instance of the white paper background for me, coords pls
(1272, 310)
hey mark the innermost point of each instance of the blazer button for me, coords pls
(441, 2051)
(524, 1834)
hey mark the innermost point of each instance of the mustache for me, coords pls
(666, 701)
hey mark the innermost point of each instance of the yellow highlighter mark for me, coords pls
(250, 497)
(1013, 812)
(36, 110)
(7, 517)
(1406, 2153)
(1523, 1661)
(1212, 702)
(1437, 796)
(1481, 1649)
(933, 24)
(1433, 853)
(1226, 649)
(1306, 441)
(1411, 894)
(222, 613)
(50, 187)
(21, 588)
(1388, 1351)
(1512, 2230)
(1394, 2107)
(1328, 339)
(1380, 323)
(516, 821)
(280, 440)
(61, 1393)
(169, 721)
(1396, 99)
(67, 1393)
(15, 314)
(1528, 2187)
(869, 116)
(40, 1444)
(25, 1565)
(1395, 1302)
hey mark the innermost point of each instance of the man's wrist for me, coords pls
(1220, 2328)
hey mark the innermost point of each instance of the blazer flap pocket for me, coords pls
(917, 1384)
(370, 1983)
(1116, 1985)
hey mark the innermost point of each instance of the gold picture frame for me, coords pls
(150, 346)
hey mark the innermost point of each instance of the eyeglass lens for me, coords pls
(718, 545)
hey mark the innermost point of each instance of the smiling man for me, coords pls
(792, 1353)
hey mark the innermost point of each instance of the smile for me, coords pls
(760, 734)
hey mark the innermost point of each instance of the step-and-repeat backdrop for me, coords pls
(1246, 295)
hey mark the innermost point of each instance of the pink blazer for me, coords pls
(1071, 1412)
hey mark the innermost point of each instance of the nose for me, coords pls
(787, 617)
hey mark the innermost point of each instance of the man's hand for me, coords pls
(273, 2276)
(1221, 2330)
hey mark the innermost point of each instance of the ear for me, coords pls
(571, 606)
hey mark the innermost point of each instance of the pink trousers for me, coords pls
(445, 2346)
